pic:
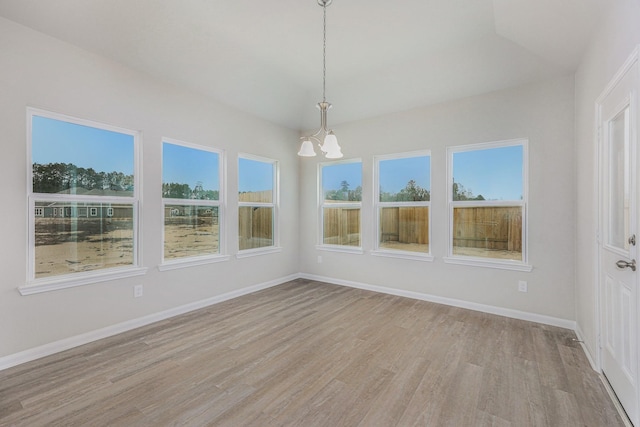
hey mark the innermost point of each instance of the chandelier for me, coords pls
(325, 138)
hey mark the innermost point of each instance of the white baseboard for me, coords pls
(586, 349)
(78, 340)
(506, 312)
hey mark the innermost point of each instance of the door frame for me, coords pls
(633, 59)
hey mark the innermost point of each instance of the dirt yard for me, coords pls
(183, 240)
(94, 244)
(111, 249)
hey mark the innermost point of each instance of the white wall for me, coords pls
(543, 113)
(612, 45)
(41, 72)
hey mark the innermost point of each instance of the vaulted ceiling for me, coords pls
(265, 57)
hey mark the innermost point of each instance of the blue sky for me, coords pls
(333, 175)
(496, 173)
(186, 165)
(55, 141)
(396, 173)
(254, 175)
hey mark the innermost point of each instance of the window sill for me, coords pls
(480, 262)
(414, 256)
(339, 248)
(257, 252)
(70, 281)
(192, 261)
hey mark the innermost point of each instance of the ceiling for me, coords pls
(265, 58)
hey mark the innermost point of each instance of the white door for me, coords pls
(617, 121)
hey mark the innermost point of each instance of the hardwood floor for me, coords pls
(314, 354)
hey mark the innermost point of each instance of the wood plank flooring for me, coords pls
(313, 354)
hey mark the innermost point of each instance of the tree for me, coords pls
(173, 190)
(210, 195)
(59, 177)
(344, 194)
(412, 192)
(461, 193)
(356, 195)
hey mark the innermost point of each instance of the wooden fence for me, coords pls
(255, 223)
(490, 227)
(405, 225)
(493, 228)
(255, 227)
(341, 226)
(265, 196)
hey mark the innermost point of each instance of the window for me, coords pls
(191, 199)
(257, 204)
(487, 204)
(77, 165)
(402, 204)
(340, 205)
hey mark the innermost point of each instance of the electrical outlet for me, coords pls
(522, 286)
(319, 259)
(137, 291)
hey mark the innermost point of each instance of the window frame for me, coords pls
(184, 262)
(521, 265)
(37, 285)
(274, 205)
(322, 204)
(378, 205)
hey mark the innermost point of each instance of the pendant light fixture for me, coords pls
(325, 138)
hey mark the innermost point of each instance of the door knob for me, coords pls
(624, 264)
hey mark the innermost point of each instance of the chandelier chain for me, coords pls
(324, 53)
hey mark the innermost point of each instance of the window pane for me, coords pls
(490, 232)
(489, 174)
(405, 228)
(341, 226)
(255, 181)
(342, 182)
(75, 237)
(189, 173)
(69, 158)
(619, 181)
(255, 227)
(407, 179)
(190, 231)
